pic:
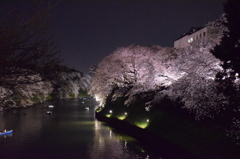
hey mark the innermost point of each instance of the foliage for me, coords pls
(82, 92)
(30, 69)
(135, 67)
(70, 84)
(229, 52)
(92, 69)
(71, 95)
(25, 47)
(229, 48)
(188, 78)
(26, 94)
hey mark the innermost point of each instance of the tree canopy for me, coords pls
(25, 47)
(229, 48)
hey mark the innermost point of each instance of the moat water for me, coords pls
(70, 132)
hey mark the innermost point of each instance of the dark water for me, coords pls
(70, 132)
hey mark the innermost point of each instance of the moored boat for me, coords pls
(49, 112)
(5, 132)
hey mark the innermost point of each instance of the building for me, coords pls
(211, 31)
(196, 34)
(193, 35)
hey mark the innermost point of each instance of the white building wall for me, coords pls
(186, 40)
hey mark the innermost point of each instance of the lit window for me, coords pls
(190, 40)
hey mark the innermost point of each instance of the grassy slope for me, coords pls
(203, 139)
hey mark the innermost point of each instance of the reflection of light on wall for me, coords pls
(108, 115)
(110, 134)
(142, 125)
(122, 117)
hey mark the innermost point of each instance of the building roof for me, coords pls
(191, 31)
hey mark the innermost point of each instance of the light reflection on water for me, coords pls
(71, 132)
(108, 143)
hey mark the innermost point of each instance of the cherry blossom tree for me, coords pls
(141, 68)
(197, 89)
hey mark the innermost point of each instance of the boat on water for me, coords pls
(49, 112)
(5, 132)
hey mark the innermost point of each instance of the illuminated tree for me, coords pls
(135, 67)
(187, 74)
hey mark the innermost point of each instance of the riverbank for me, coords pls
(165, 131)
(147, 138)
(37, 88)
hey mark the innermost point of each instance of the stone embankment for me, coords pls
(148, 139)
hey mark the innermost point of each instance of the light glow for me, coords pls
(108, 115)
(122, 117)
(142, 125)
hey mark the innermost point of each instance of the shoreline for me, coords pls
(147, 138)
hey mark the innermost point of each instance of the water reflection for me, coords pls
(107, 143)
(71, 132)
(5, 136)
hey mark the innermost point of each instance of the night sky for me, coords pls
(86, 31)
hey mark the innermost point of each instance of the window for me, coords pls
(190, 40)
(200, 35)
(204, 33)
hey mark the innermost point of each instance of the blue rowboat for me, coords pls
(7, 132)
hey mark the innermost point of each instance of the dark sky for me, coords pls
(88, 30)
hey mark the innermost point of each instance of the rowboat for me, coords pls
(6, 132)
(49, 112)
